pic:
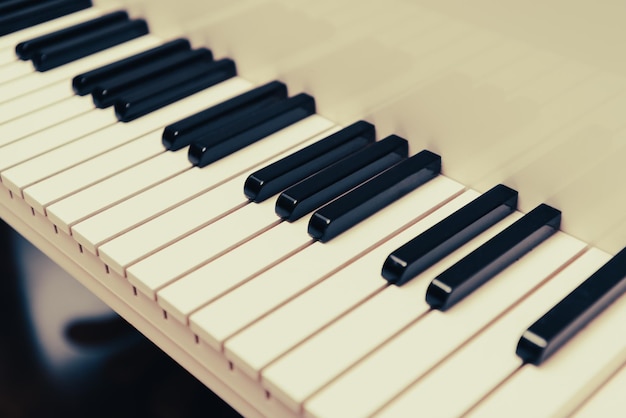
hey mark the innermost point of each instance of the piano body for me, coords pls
(526, 94)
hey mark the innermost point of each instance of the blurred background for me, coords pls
(64, 353)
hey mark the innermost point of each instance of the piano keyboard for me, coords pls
(300, 261)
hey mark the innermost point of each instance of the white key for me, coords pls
(122, 217)
(7, 56)
(34, 100)
(312, 265)
(370, 384)
(225, 272)
(37, 80)
(52, 189)
(156, 233)
(609, 401)
(12, 39)
(479, 366)
(13, 70)
(69, 211)
(310, 311)
(560, 384)
(54, 136)
(36, 169)
(41, 119)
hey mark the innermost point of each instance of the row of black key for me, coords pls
(344, 178)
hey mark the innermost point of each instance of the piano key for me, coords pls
(109, 90)
(26, 125)
(557, 326)
(415, 256)
(182, 133)
(25, 50)
(340, 177)
(558, 386)
(39, 13)
(42, 194)
(217, 144)
(37, 80)
(316, 296)
(9, 41)
(52, 137)
(168, 88)
(314, 263)
(278, 176)
(51, 57)
(200, 186)
(74, 208)
(14, 70)
(345, 341)
(8, 6)
(54, 161)
(181, 302)
(608, 400)
(84, 83)
(188, 217)
(370, 384)
(149, 274)
(35, 100)
(469, 274)
(491, 355)
(368, 198)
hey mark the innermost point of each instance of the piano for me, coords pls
(323, 314)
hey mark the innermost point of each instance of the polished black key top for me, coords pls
(182, 133)
(64, 52)
(11, 6)
(39, 12)
(172, 87)
(432, 245)
(495, 255)
(260, 123)
(84, 84)
(286, 172)
(360, 203)
(27, 49)
(109, 91)
(574, 312)
(341, 177)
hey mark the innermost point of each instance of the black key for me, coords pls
(276, 177)
(64, 52)
(27, 49)
(11, 6)
(342, 214)
(182, 133)
(432, 245)
(574, 312)
(260, 123)
(83, 84)
(495, 255)
(109, 91)
(169, 88)
(39, 12)
(339, 178)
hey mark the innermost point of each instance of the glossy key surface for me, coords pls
(557, 326)
(84, 83)
(415, 256)
(184, 132)
(340, 177)
(358, 204)
(470, 273)
(296, 167)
